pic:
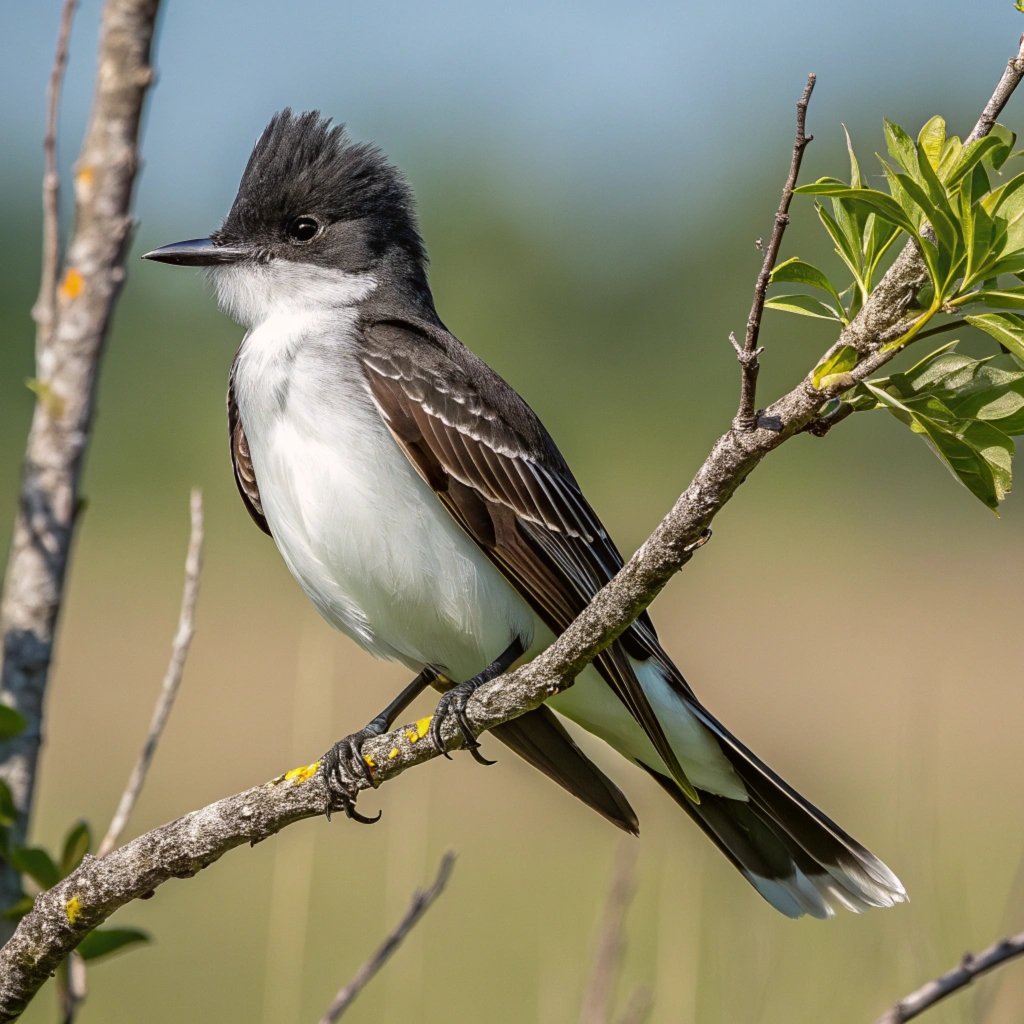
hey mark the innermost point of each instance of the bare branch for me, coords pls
(45, 310)
(421, 902)
(599, 997)
(67, 363)
(972, 966)
(746, 418)
(63, 915)
(172, 678)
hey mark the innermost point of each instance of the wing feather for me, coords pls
(492, 464)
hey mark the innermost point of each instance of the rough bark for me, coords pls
(69, 346)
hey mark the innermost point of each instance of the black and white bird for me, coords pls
(422, 506)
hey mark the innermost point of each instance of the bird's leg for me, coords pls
(344, 763)
(455, 700)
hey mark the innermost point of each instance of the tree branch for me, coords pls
(970, 968)
(45, 310)
(63, 915)
(68, 353)
(421, 903)
(746, 417)
(172, 678)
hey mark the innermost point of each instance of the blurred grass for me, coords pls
(856, 620)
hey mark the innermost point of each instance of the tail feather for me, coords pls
(797, 858)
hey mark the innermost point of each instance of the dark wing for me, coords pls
(539, 738)
(494, 467)
(241, 461)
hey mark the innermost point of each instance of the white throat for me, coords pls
(252, 293)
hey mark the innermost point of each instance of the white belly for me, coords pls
(365, 537)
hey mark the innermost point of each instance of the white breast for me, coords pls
(362, 533)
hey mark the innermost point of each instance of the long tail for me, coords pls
(798, 859)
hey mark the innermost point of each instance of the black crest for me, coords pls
(305, 164)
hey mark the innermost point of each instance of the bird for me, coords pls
(427, 513)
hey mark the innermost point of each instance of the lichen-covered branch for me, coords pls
(63, 915)
(68, 349)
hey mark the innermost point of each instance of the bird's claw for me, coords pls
(344, 768)
(454, 703)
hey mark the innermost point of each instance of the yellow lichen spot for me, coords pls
(72, 285)
(85, 177)
(393, 753)
(73, 908)
(370, 763)
(419, 729)
(303, 773)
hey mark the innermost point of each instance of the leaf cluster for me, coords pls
(965, 214)
(40, 870)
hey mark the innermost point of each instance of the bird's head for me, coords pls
(318, 219)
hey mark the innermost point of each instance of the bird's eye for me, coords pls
(302, 229)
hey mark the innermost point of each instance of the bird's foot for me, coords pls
(344, 767)
(454, 703)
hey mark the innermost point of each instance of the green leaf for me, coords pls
(940, 221)
(35, 862)
(850, 255)
(8, 812)
(977, 454)
(931, 140)
(1008, 140)
(104, 941)
(901, 147)
(803, 305)
(76, 845)
(1012, 298)
(832, 367)
(856, 179)
(971, 155)
(1006, 328)
(12, 722)
(796, 271)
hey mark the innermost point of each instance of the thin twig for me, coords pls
(171, 681)
(44, 312)
(747, 354)
(971, 967)
(599, 997)
(421, 902)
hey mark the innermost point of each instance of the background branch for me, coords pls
(68, 352)
(45, 310)
(971, 967)
(172, 678)
(421, 903)
(63, 915)
(599, 997)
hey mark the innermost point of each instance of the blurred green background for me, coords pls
(591, 181)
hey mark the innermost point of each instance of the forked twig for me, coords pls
(748, 352)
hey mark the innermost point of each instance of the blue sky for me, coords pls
(581, 101)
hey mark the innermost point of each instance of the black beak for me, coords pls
(197, 252)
